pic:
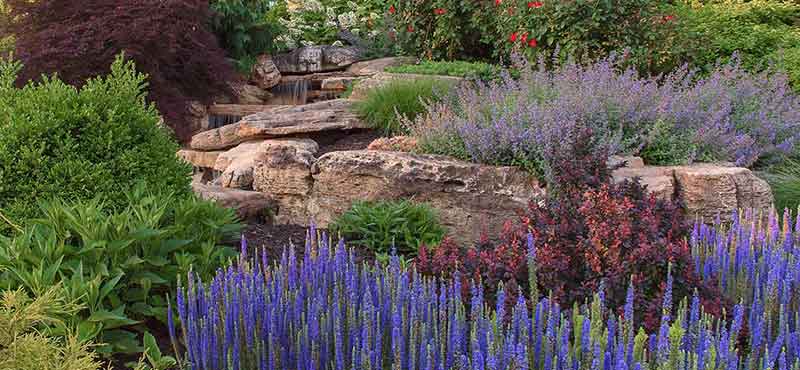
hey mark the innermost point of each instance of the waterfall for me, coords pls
(291, 92)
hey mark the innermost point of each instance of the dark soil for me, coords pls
(277, 237)
(354, 140)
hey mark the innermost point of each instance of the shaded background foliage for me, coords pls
(169, 40)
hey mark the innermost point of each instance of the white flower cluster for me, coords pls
(298, 24)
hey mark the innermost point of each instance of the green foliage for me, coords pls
(118, 265)
(386, 107)
(24, 340)
(788, 60)
(244, 27)
(785, 182)
(714, 31)
(444, 29)
(153, 359)
(666, 146)
(458, 68)
(99, 140)
(383, 225)
(318, 22)
(586, 29)
(6, 39)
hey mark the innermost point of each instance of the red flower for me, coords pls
(439, 11)
(392, 10)
(533, 43)
(410, 28)
(513, 37)
(510, 11)
(669, 18)
(535, 4)
(524, 38)
(497, 2)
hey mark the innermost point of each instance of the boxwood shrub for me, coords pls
(81, 143)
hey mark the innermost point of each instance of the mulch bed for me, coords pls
(275, 238)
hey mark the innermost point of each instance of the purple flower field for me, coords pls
(729, 115)
(327, 312)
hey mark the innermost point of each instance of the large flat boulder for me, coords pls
(708, 190)
(370, 67)
(280, 121)
(310, 59)
(469, 198)
(249, 205)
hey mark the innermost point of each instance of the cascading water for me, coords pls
(294, 92)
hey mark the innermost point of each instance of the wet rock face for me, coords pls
(312, 59)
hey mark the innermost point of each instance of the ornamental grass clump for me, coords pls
(328, 312)
(730, 115)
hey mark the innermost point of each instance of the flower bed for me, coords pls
(731, 115)
(327, 312)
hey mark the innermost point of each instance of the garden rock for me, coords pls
(199, 159)
(394, 144)
(336, 83)
(310, 59)
(250, 94)
(265, 73)
(332, 115)
(363, 87)
(469, 198)
(249, 205)
(370, 67)
(659, 180)
(705, 190)
(283, 170)
(709, 190)
(237, 165)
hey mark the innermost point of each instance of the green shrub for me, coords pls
(319, 22)
(383, 225)
(785, 182)
(24, 345)
(99, 140)
(119, 265)
(589, 29)
(6, 40)
(667, 146)
(444, 29)
(458, 68)
(789, 61)
(715, 31)
(244, 27)
(385, 108)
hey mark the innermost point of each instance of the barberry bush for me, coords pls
(169, 40)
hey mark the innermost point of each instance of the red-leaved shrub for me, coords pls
(587, 234)
(168, 39)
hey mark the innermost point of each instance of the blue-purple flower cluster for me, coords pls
(731, 115)
(328, 312)
(755, 259)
